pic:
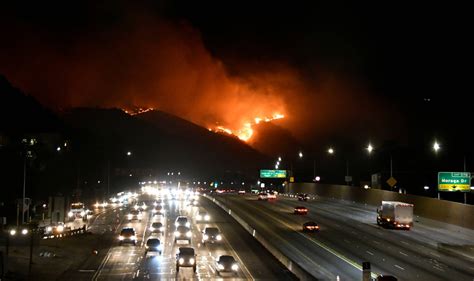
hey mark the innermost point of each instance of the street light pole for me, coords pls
(24, 188)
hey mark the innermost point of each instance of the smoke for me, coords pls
(165, 65)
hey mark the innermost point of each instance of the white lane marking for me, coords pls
(406, 243)
(403, 254)
(434, 254)
(347, 241)
(86, 270)
(212, 269)
(399, 267)
(370, 253)
(376, 242)
(101, 266)
(438, 268)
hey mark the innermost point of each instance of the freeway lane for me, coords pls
(350, 230)
(129, 262)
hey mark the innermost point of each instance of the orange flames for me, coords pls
(245, 132)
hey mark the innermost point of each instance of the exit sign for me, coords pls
(273, 174)
(454, 181)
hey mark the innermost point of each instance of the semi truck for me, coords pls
(395, 214)
(77, 211)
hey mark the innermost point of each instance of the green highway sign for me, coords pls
(454, 181)
(273, 174)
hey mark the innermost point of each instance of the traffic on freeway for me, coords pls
(190, 238)
(344, 235)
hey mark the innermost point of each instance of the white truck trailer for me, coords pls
(395, 214)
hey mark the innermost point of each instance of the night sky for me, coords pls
(370, 70)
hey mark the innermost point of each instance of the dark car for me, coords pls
(157, 227)
(186, 258)
(153, 245)
(303, 197)
(211, 235)
(182, 221)
(182, 233)
(300, 210)
(310, 226)
(128, 235)
(226, 263)
(134, 215)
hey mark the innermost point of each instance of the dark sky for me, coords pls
(331, 66)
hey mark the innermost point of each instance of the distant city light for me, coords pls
(330, 150)
(129, 153)
(426, 187)
(279, 159)
(58, 149)
(366, 186)
(300, 154)
(436, 146)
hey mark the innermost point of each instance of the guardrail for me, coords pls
(291, 265)
(72, 232)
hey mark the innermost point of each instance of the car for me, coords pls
(203, 216)
(300, 210)
(158, 202)
(262, 196)
(128, 235)
(182, 233)
(157, 227)
(153, 245)
(303, 197)
(157, 211)
(226, 263)
(310, 226)
(134, 215)
(182, 221)
(271, 196)
(186, 257)
(241, 192)
(211, 235)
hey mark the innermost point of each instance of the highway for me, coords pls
(349, 235)
(129, 262)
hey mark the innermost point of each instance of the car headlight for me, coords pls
(220, 266)
(24, 231)
(235, 267)
(219, 237)
(162, 228)
(181, 260)
(60, 228)
(120, 237)
(12, 232)
(70, 214)
(133, 237)
(207, 217)
(188, 224)
(136, 207)
(130, 216)
(49, 229)
(176, 223)
(83, 213)
(152, 228)
(154, 211)
(188, 234)
(191, 261)
(176, 233)
(146, 246)
(205, 237)
(198, 217)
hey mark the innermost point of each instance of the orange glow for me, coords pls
(246, 131)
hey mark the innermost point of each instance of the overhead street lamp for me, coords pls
(370, 148)
(436, 146)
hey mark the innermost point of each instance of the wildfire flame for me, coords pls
(246, 132)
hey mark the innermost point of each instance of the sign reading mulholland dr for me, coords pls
(454, 181)
(275, 174)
